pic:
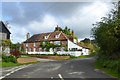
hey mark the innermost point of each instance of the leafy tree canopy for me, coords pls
(67, 31)
(86, 40)
(107, 33)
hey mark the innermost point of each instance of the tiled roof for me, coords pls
(51, 37)
(1, 25)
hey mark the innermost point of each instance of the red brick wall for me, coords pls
(31, 45)
(26, 60)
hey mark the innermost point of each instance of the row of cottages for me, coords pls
(4, 34)
(32, 44)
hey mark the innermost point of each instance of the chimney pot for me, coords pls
(57, 28)
(72, 33)
(28, 35)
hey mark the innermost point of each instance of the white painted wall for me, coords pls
(72, 45)
(40, 53)
(73, 53)
(85, 51)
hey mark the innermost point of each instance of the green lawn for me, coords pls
(111, 72)
(9, 64)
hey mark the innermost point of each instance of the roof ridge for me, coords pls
(43, 33)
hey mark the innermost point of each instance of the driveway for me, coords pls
(77, 69)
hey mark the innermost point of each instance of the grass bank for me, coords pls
(108, 68)
(10, 64)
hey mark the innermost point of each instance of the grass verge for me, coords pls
(111, 72)
(9, 64)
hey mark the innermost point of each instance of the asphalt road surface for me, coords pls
(77, 69)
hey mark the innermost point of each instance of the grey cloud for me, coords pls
(24, 14)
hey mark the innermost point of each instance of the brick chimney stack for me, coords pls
(57, 28)
(72, 33)
(28, 36)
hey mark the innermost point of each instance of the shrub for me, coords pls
(72, 56)
(16, 53)
(55, 54)
(10, 58)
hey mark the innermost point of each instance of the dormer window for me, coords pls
(57, 36)
(46, 37)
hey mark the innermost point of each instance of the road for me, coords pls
(77, 69)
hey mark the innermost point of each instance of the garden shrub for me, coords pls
(10, 58)
(55, 54)
(16, 53)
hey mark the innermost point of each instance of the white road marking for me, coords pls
(79, 73)
(21, 67)
(51, 77)
(60, 76)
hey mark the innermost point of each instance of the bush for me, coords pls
(10, 58)
(55, 54)
(72, 56)
(109, 64)
(16, 53)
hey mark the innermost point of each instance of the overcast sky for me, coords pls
(39, 17)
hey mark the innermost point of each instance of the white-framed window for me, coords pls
(63, 49)
(26, 50)
(30, 49)
(51, 49)
(45, 37)
(40, 49)
(34, 49)
(57, 42)
(34, 44)
(57, 36)
(26, 44)
(44, 49)
(57, 49)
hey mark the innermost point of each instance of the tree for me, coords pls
(107, 34)
(67, 31)
(22, 48)
(86, 40)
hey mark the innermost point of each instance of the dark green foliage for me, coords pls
(9, 59)
(107, 34)
(15, 46)
(109, 65)
(72, 56)
(55, 54)
(86, 40)
(67, 31)
(65, 48)
(48, 45)
(22, 48)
